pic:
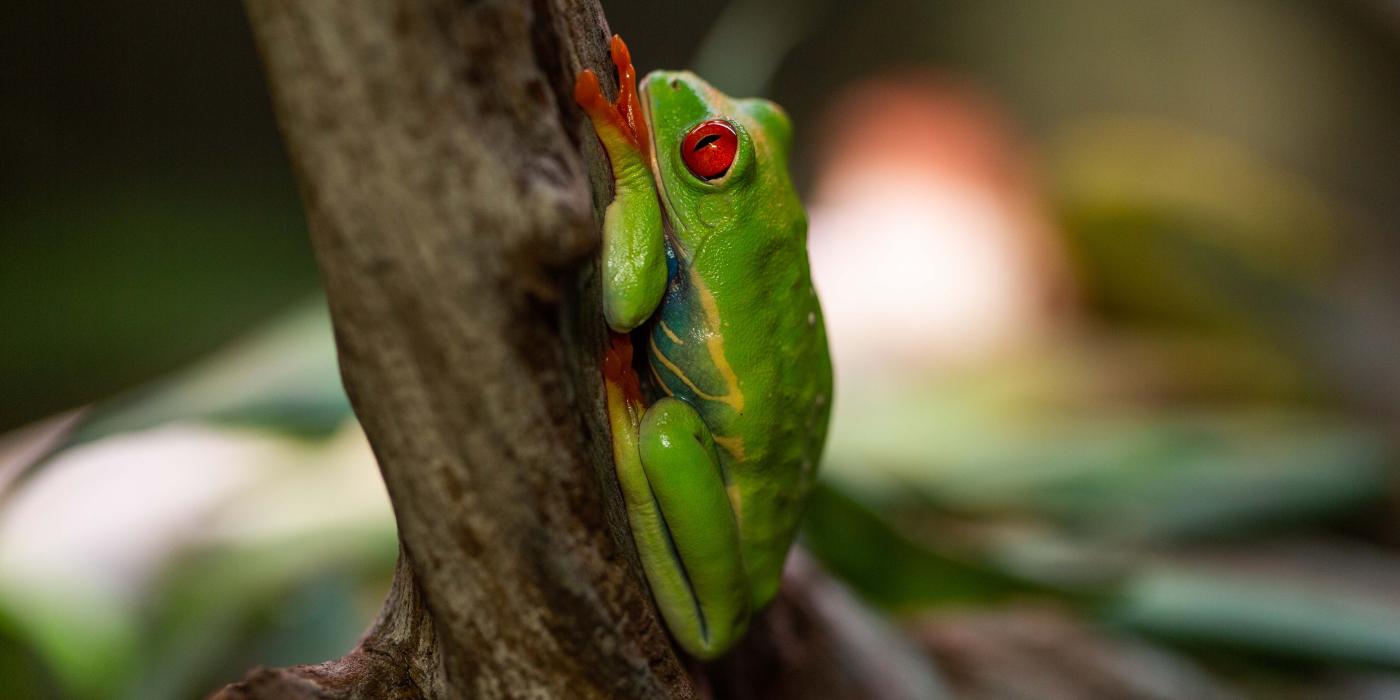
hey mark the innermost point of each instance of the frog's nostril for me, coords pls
(675, 84)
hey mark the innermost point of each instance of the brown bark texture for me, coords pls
(453, 193)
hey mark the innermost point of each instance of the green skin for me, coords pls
(713, 277)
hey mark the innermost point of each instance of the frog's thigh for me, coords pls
(706, 599)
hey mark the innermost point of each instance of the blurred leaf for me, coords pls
(1283, 608)
(85, 642)
(887, 568)
(283, 559)
(1214, 239)
(1123, 476)
(1208, 234)
(283, 376)
(320, 619)
(26, 675)
(223, 610)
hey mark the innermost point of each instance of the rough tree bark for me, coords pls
(446, 177)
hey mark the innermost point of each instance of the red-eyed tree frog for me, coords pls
(718, 422)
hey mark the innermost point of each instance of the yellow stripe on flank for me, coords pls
(659, 381)
(666, 361)
(671, 334)
(715, 343)
(733, 444)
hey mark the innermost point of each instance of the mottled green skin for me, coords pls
(742, 239)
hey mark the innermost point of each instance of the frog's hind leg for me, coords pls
(702, 588)
(680, 515)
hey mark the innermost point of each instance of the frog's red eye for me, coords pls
(709, 149)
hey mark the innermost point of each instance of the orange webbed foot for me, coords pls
(624, 115)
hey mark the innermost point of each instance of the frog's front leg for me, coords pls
(634, 257)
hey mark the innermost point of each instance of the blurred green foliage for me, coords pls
(218, 613)
(277, 378)
(211, 614)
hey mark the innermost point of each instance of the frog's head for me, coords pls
(720, 162)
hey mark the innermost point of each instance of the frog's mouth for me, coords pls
(645, 122)
(652, 154)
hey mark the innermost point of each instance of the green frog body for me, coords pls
(718, 422)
